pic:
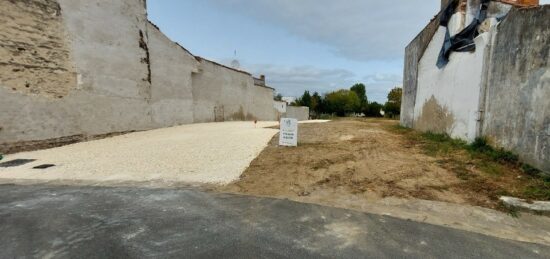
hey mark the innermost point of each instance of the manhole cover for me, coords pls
(44, 166)
(16, 162)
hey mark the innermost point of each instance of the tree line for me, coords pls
(346, 102)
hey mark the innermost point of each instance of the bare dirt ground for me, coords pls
(365, 160)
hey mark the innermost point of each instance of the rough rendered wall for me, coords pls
(261, 105)
(111, 89)
(76, 68)
(171, 89)
(447, 99)
(517, 113)
(109, 45)
(224, 94)
(300, 113)
(413, 53)
(34, 54)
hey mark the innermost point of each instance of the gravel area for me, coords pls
(215, 153)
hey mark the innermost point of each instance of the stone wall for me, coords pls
(517, 107)
(93, 67)
(34, 56)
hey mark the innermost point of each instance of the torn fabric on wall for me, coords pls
(464, 40)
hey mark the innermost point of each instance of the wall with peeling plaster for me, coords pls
(84, 68)
(500, 91)
(447, 99)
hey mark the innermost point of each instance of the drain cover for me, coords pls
(44, 166)
(16, 162)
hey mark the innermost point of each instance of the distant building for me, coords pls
(289, 99)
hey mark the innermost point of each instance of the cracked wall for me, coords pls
(115, 72)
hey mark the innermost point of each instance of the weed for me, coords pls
(529, 170)
(481, 147)
(462, 172)
(538, 191)
(491, 168)
(511, 210)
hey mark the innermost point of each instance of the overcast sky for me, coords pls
(317, 45)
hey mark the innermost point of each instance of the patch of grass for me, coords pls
(435, 144)
(401, 129)
(462, 172)
(529, 170)
(481, 147)
(491, 168)
(499, 167)
(540, 191)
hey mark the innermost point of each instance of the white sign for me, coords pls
(288, 135)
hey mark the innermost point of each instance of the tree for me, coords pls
(316, 103)
(393, 105)
(395, 95)
(361, 92)
(278, 97)
(342, 102)
(373, 109)
(305, 100)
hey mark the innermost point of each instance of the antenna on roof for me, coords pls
(235, 63)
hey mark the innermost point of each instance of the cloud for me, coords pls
(360, 30)
(292, 80)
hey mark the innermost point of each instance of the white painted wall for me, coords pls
(456, 87)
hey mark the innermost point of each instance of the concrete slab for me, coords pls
(214, 153)
(542, 207)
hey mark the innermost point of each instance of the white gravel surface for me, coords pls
(198, 153)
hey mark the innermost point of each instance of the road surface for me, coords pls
(100, 222)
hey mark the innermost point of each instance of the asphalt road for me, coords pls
(94, 222)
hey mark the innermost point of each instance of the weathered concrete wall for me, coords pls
(109, 49)
(296, 112)
(447, 99)
(414, 51)
(110, 91)
(225, 94)
(91, 67)
(171, 89)
(500, 91)
(34, 52)
(517, 113)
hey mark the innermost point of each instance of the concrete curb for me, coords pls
(538, 207)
